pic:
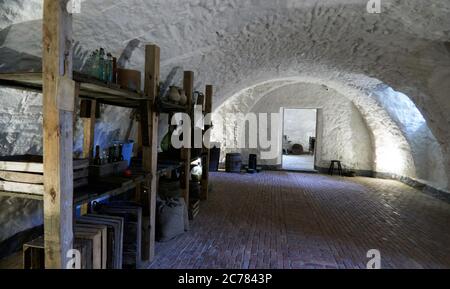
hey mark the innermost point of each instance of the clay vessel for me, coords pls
(174, 95)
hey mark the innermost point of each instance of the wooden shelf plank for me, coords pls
(106, 187)
(91, 85)
(167, 107)
(90, 88)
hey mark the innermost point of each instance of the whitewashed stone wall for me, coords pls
(341, 132)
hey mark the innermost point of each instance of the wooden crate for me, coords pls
(33, 164)
(129, 79)
(116, 168)
(132, 233)
(24, 174)
(114, 237)
(94, 235)
(34, 253)
(95, 228)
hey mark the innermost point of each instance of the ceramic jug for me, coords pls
(174, 94)
(183, 97)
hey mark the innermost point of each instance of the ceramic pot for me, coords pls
(183, 97)
(174, 95)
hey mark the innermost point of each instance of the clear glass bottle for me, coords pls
(105, 156)
(101, 64)
(109, 65)
(88, 64)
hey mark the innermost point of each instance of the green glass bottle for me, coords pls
(101, 64)
(166, 141)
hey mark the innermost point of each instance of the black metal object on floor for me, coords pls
(339, 167)
(252, 164)
(214, 159)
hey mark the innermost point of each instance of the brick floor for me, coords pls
(290, 220)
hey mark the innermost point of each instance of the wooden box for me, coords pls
(99, 236)
(116, 168)
(34, 253)
(129, 79)
(132, 234)
(114, 237)
(25, 174)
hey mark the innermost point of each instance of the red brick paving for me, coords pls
(288, 220)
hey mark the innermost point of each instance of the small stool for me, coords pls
(331, 169)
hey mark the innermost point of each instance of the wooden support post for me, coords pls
(138, 193)
(89, 131)
(206, 145)
(58, 108)
(149, 135)
(76, 101)
(138, 149)
(188, 86)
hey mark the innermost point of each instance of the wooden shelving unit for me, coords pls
(61, 88)
(86, 87)
(190, 155)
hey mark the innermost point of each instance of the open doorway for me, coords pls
(299, 139)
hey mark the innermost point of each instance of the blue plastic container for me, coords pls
(127, 150)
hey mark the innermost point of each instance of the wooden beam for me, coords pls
(149, 139)
(206, 144)
(138, 149)
(188, 86)
(58, 107)
(89, 132)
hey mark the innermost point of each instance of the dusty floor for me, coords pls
(298, 163)
(291, 220)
